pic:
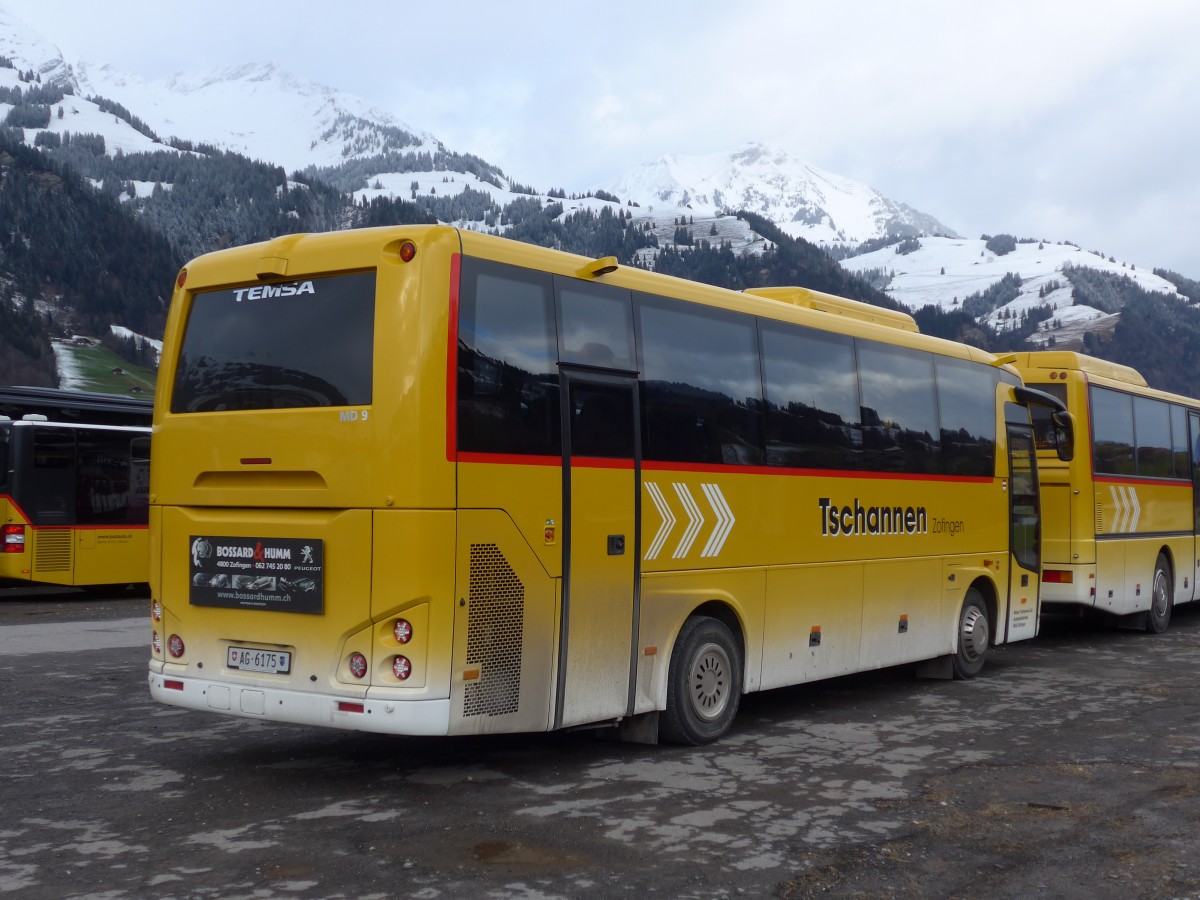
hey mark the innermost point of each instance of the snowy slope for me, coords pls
(29, 51)
(259, 111)
(944, 271)
(804, 200)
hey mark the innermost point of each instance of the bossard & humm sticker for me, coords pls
(275, 574)
(846, 521)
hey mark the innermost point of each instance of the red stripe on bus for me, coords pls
(599, 462)
(452, 360)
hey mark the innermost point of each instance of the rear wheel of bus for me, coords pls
(704, 683)
(974, 636)
(1159, 615)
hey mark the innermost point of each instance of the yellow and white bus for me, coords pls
(74, 488)
(425, 481)
(1121, 519)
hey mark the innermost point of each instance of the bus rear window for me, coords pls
(279, 346)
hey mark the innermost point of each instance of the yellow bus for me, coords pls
(1120, 520)
(73, 502)
(420, 480)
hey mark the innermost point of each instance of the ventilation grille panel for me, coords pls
(495, 634)
(53, 553)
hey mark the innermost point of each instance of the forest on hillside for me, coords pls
(94, 240)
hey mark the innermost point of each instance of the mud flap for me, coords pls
(941, 667)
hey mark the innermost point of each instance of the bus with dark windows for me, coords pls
(421, 480)
(74, 488)
(1122, 517)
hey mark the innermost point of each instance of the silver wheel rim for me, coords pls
(1161, 598)
(709, 681)
(974, 636)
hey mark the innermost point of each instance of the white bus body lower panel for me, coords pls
(384, 716)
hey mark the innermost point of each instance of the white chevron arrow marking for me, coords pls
(725, 520)
(695, 520)
(668, 520)
(1118, 502)
(1137, 509)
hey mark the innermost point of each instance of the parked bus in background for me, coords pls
(73, 493)
(420, 480)
(1121, 518)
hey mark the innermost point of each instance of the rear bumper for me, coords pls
(384, 716)
(1079, 591)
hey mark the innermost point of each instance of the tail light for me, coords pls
(156, 644)
(401, 668)
(156, 611)
(358, 665)
(1058, 576)
(402, 631)
(175, 646)
(14, 538)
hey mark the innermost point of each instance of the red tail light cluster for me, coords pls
(156, 611)
(156, 643)
(175, 646)
(402, 667)
(14, 538)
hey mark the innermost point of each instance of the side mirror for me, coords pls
(1064, 434)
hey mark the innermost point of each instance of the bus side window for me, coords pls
(508, 395)
(899, 409)
(702, 399)
(968, 425)
(596, 325)
(53, 494)
(1152, 433)
(812, 410)
(1112, 437)
(1181, 465)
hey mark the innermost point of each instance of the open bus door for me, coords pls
(1025, 529)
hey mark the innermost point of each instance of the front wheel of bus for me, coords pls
(1159, 615)
(704, 683)
(974, 636)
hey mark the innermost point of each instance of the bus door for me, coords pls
(601, 463)
(1026, 533)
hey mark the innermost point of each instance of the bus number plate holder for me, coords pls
(248, 659)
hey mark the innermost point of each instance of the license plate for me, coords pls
(247, 659)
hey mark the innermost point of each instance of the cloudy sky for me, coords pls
(1056, 119)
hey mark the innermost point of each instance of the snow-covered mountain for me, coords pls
(803, 200)
(265, 113)
(30, 51)
(945, 271)
(261, 112)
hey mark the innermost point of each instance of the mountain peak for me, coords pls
(805, 200)
(29, 51)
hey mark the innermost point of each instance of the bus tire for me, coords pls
(704, 683)
(1159, 614)
(974, 636)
